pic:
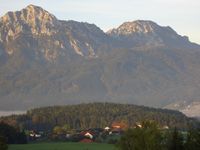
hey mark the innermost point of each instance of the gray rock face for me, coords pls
(190, 109)
(51, 38)
(46, 61)
(142, 32)
(31, 20)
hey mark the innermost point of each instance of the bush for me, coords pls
(148, 137)
(12, 135)
(193, 140)
(3, 143)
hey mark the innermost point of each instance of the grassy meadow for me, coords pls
(62, 146)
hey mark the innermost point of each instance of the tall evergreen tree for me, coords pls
(175, 140)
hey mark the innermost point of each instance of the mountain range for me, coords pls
(46, 61)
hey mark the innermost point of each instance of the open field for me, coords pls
(63, 146)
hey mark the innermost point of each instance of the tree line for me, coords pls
(11, 135)
(96, 115)
(149, 137)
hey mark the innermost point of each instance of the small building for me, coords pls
(86, 140)
(165, 127)
(88, 134)
(107, 128)
(116, 131)
(34, 134)
(119, 125)
(138, 124)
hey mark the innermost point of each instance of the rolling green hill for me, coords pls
(96, 115)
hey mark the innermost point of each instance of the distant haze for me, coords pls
(182, 15)
(7, 113)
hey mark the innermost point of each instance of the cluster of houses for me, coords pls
(34, 135)
(89, 135)
(85, 136)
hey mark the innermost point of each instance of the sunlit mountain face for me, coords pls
(45, 61)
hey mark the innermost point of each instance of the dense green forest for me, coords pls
(95, 115)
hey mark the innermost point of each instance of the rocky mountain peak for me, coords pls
(31, 12)
(147, 32)
(32, 7)
(53, 37)
(30, 15)
(32, 19)
(139, 26)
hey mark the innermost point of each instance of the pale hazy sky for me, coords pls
(182, 15)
